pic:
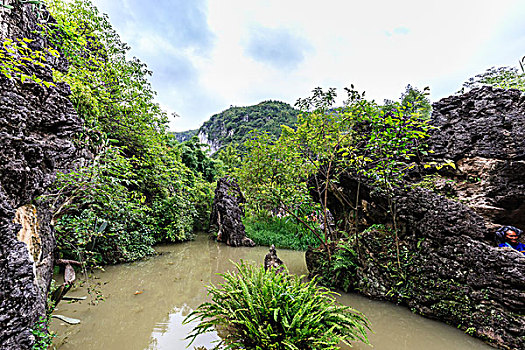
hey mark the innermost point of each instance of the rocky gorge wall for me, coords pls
(37, 125)
(449, 267)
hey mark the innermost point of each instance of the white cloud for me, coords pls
(206, 57)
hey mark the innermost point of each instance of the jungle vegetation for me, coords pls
(139, 186)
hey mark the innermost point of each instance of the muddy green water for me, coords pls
(146, 301)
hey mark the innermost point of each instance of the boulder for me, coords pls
(226, 216)
(272, 261)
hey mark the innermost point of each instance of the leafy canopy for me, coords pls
(136, 190)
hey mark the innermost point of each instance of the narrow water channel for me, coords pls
(146, 301)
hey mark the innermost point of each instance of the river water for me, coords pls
(146, 301)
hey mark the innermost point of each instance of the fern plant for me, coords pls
(263, 310)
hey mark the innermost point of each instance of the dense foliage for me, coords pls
(138, 186)
(283, 232)
(296, 173)
(233, 125)
(412, 100)
(258, 309)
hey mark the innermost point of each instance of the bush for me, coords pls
(172, 219)
(282, 232)
(260, 309)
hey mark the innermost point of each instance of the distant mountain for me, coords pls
(234, 124)
(185, 135)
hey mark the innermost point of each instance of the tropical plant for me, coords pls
(283, 232)
(135, 190)
(412, 100)
(258, 309)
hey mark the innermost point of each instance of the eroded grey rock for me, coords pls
(226, 217)
(36, 129)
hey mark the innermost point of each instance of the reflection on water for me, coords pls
(146, 301)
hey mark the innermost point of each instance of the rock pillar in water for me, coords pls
(226, 217)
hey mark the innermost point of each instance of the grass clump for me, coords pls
(282, 232)
(265, 310)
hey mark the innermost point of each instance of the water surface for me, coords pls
(146, 301)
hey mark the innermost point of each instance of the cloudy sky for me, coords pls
(207, 55)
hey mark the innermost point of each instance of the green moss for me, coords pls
(430, 182)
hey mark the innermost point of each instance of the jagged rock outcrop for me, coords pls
(226, 216)
(36, 129)
(272, 261)
(484, 133)
(449, 267)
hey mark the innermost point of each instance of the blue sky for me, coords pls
(207, 55)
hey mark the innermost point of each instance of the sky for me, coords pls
(208, 55)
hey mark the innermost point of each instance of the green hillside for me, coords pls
(234, 124)
(183, 136)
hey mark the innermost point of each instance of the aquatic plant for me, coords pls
(258, 309)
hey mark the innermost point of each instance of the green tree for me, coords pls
(136, 190)
(193, 155)
(412, 100)
(359, 137)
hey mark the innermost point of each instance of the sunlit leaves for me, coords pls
(19, 61)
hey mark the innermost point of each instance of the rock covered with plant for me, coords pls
(443, 262)
(37, 125)
(233, 125)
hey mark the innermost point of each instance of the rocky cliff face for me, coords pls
(449, 268)
(484, 133)
(36, 128)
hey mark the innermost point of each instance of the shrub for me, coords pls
(282, 232)
(172, 219)
(258, 309)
